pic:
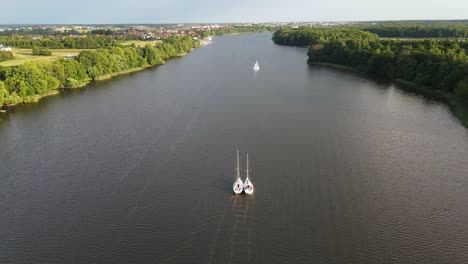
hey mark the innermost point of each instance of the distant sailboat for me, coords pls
(256, 67)
(248, 185)
(238, 186)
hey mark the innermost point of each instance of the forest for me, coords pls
(405, 30)
(89, 42)
(305, 37)
(237, 29)
(32, 80)
(438, 66)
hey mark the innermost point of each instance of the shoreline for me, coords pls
(457, 109)
(110, 75)
(37, 98)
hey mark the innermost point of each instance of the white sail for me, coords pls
(248, 185)
(238, 186)
(256, 67)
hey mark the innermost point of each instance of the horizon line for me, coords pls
(265, 22)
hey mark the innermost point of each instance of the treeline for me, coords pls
(236, 29)
(418, 30)
(6, 55)
(89, 42)
(30, 81)
(310, 36)
(40, 51)
(37, 31)
(441, 66)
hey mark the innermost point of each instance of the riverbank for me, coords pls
(436, 69)
(335, 66)
(458, 109)
(83, 84)
(88, 67)
(36, 98)
(110, 75)
(30, 99)
(33, 81)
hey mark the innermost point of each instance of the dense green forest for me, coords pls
(439, 66)
(417, 30)
(89, 42)
(447, 22)
(30, 81)
(311, 36)
(237, 29)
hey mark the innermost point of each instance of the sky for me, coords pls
(224, 11)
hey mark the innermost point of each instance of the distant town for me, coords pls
(144, 31)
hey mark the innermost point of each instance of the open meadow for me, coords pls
(141, 43)
(25, 55)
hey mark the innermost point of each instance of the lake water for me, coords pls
(139, 169)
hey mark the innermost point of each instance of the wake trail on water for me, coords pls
(234, 235)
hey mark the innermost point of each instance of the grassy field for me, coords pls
(141, 43)
(24, 55)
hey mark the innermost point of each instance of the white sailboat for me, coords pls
(256, 67)
(238, 186)
(248, 185)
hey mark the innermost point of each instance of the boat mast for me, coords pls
(238, 167)
(247, 170)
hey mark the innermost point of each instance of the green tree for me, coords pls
(3, 93)
(461, 92)
(151, 56)
(6, 55)
(40, 51)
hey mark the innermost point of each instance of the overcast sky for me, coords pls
(199, 11)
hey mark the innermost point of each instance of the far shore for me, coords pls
(457, 109)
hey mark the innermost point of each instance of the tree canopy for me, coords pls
(58, 42)
(439, 65)
(6, 55)
(417, 30)
(27, 82)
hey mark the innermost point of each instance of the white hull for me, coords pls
(256, 67)
(248, 186)
(238, 187)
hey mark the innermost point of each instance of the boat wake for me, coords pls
(235, 235)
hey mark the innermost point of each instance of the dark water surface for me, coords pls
(139, 169)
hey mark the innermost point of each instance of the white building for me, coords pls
(4, 48)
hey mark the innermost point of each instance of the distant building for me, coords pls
(61, 29)
(4, 48)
